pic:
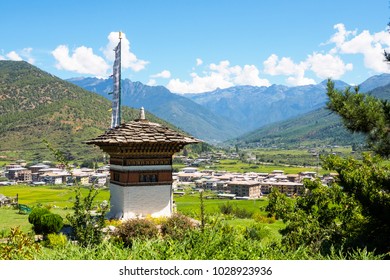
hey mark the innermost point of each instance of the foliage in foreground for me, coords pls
(352, 213)
(368, 183)
(178, 241)
(363, 113)
(321, 218)
(19, 246)
(217, 242)
(45, 222)
(133, 229)
(87, 226)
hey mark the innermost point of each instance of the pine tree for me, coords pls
(363, 113)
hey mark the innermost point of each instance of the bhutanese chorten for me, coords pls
(141, 167)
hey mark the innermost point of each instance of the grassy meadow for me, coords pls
(60, 201)
(233, 165)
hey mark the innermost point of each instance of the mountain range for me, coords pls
(318, 127)
(35, 105)
(225, 114)
(178, 110)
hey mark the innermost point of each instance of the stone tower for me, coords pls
(141, 167)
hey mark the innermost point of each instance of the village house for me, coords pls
(307, 175)
(36, 167)
(293, 178)
(189, 174)
(245, 189)
(19, 174)
(12, 165)
(52, 178)
(288, 188)
(81, 178)
(98, 179)
(35, 171)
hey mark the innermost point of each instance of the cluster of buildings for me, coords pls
(245, 186)
(41, 174)
(227, 184)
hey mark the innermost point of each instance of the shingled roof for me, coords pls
(141, 131)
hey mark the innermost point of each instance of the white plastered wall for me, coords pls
(140, 201)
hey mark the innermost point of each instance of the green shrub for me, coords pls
(51, 223)
(87, 227)
(258, 217)
(56, 240)
(176, 226)
(229, 209)
(226, 208)
(242, 213)
(257, 232)
(19, 246)
(45, 222)
(35, 218)
(135, 229)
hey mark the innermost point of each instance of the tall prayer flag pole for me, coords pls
(116, 98)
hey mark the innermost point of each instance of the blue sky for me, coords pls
(197, 46)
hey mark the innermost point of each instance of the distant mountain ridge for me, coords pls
(178, 110)
(225, 113)
(35, 105)
(320, 126)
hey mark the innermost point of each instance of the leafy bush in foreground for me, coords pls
(86, 225)
(176, 226)
(133, 229)
(45, 222)
(19, 246)
(217, 242)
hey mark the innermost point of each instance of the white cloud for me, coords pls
(82, 61)
(163, 74)
(220, 75)
(322, 65)
(300, 80)
(24, 54)
(287, 67)
(129, 59)
(249, 75)
(199, 62)
(327, 65)
(371, 46)
(339, 37)
(151, 82)
(14, 56)
(330, 64)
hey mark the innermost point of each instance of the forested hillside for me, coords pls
(318, 127)
(35, 105)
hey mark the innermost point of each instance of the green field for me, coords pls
(239, 166)
(55, 196)
(191, 203)
(60, 199)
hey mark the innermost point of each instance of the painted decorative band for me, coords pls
(140, 168)
(119, 186)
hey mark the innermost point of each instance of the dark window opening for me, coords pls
(148, 178)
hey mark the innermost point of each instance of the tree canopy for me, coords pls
(363, 113)
(353, 213)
